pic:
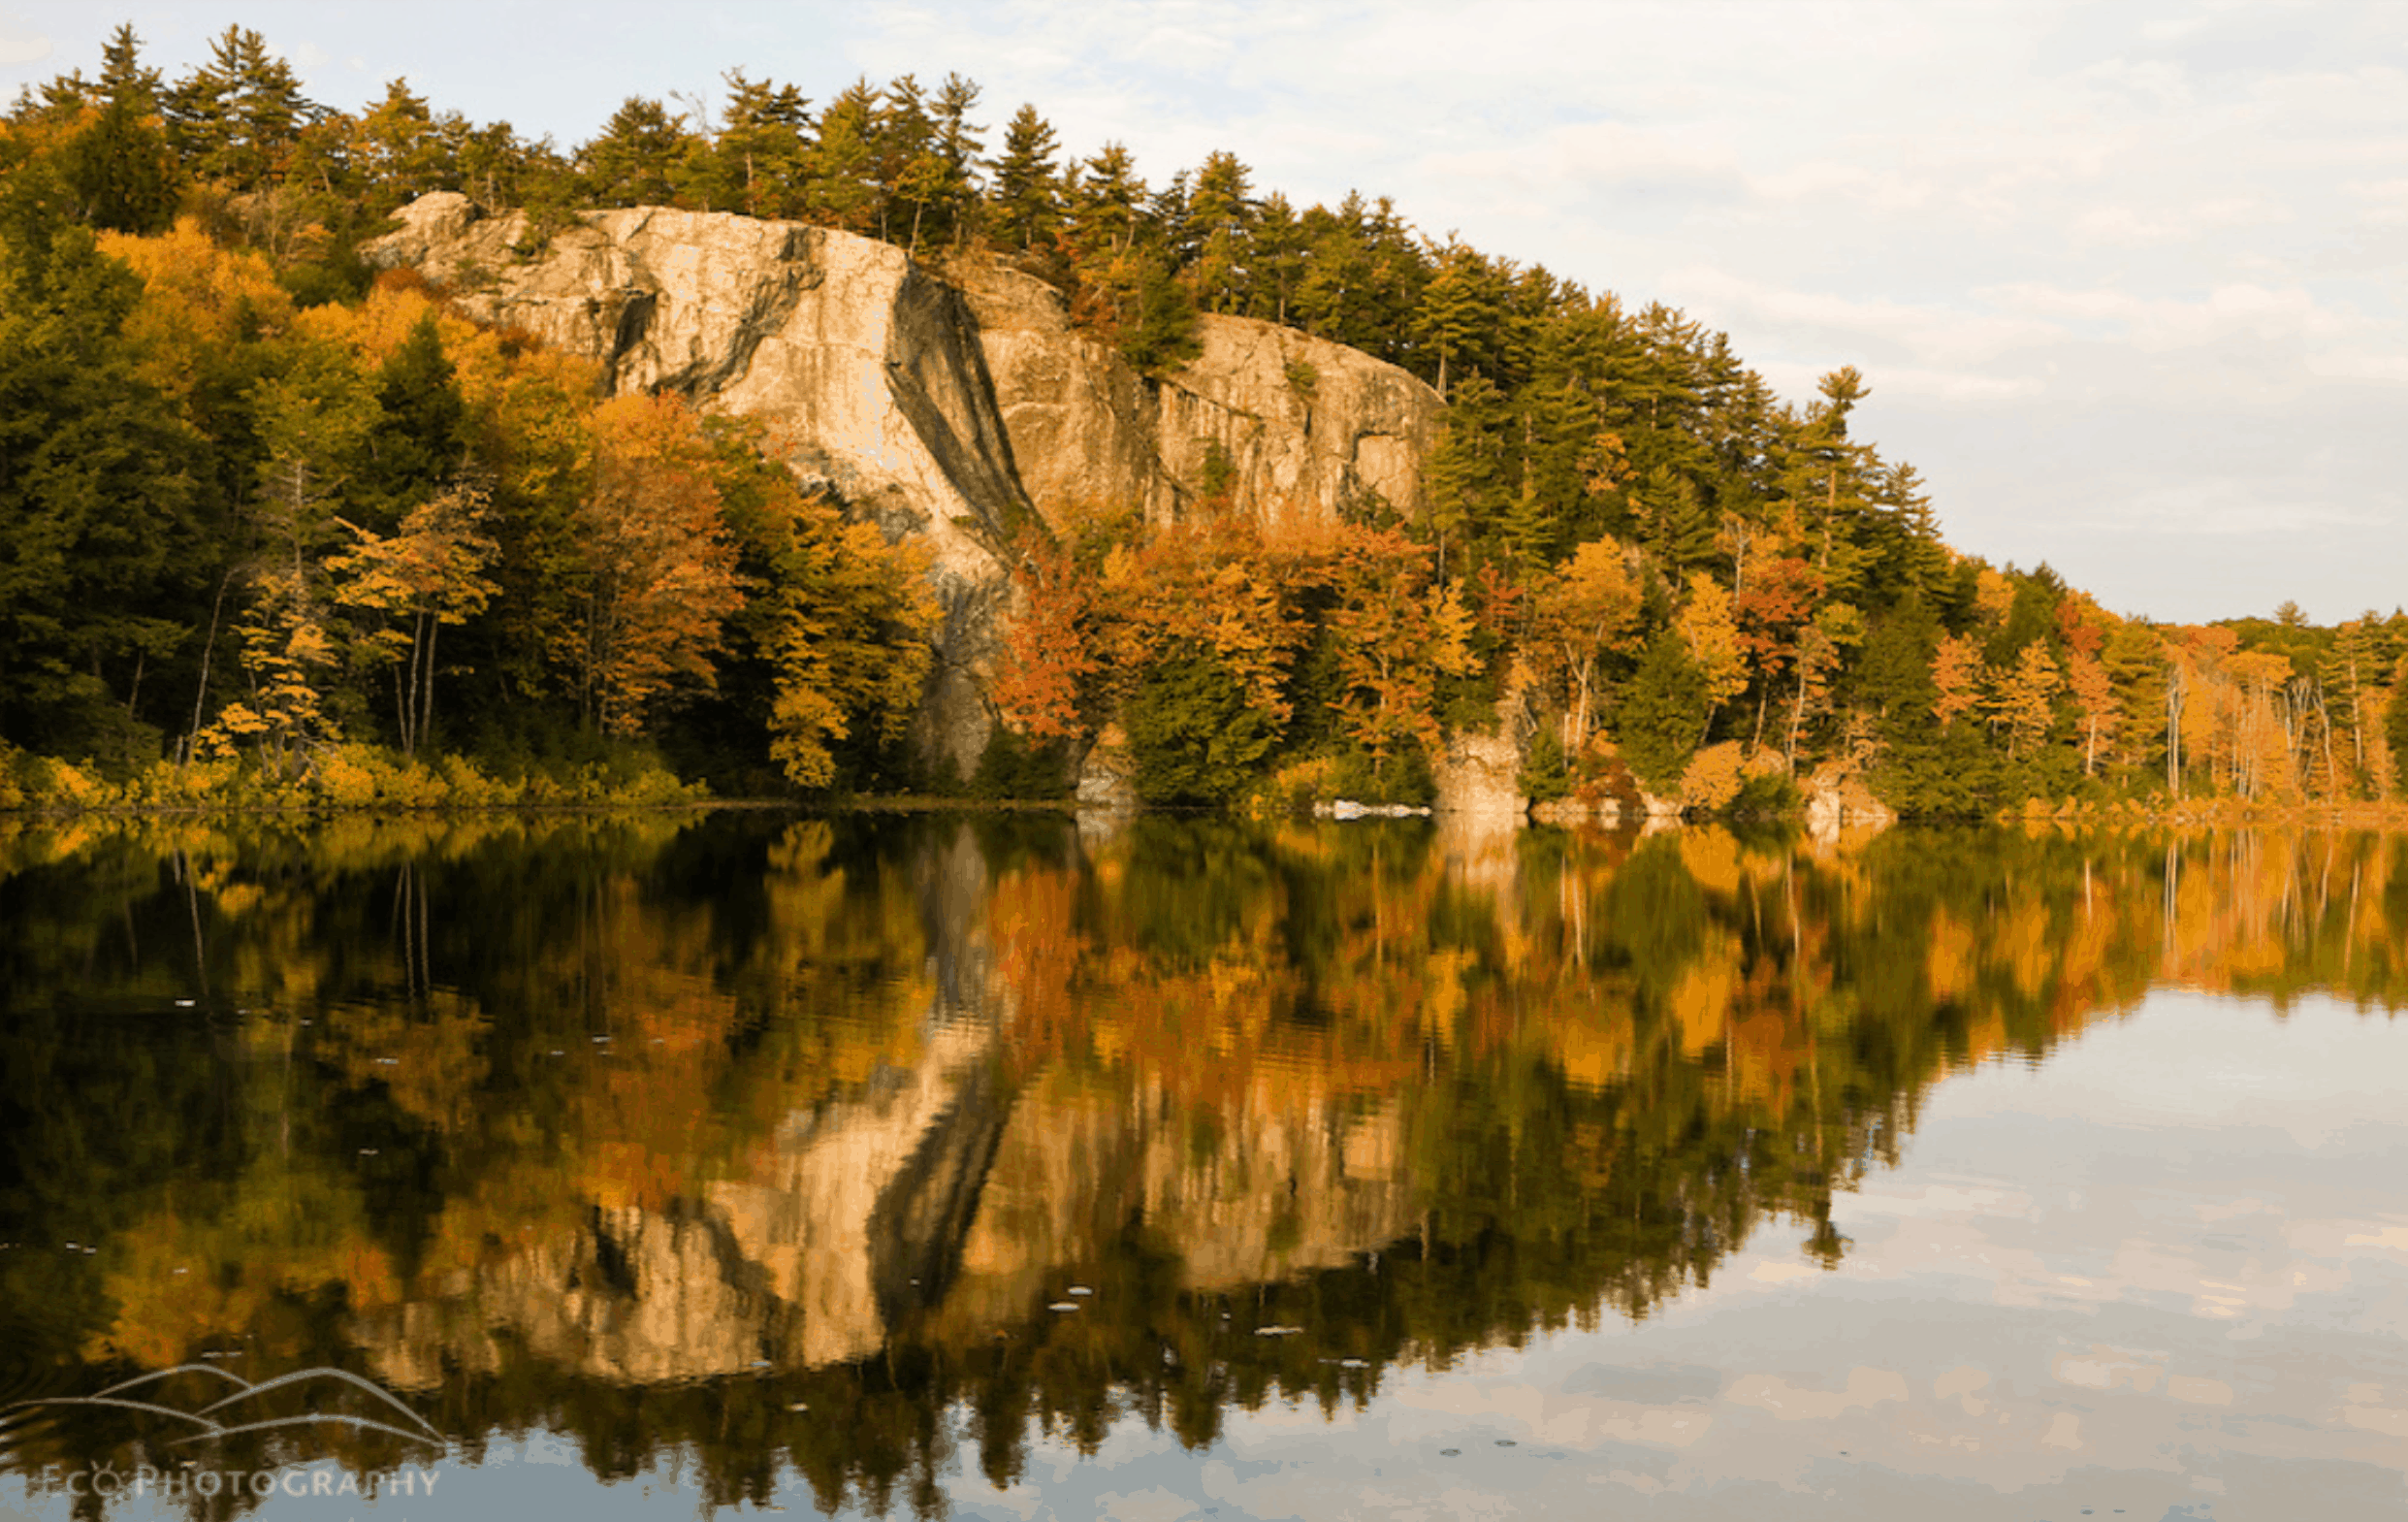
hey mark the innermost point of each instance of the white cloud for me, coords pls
(1925, 331)
(2130, 227)
(22, 48)
(2238, 311)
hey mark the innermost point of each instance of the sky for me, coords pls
(2122, 278)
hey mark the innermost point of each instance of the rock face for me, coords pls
(955, 414)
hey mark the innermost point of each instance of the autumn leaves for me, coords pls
(1224, 644)
(436, 513)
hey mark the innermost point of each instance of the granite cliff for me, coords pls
(955, 409)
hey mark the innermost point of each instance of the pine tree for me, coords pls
(637, 158)
(1458, 314)
(97, 485)
(238, 119)
(1025, 207)
(1221, 214)
(757, 162)
(1660, 719)
(401, 150)
(958, 152)
(845, 190)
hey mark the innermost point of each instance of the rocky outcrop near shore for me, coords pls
(956, 409)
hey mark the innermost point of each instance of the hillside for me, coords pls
(849, 454)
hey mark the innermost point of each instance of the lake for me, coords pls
(1012, 1166)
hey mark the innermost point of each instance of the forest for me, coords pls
(276, 529)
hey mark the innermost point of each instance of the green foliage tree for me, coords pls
(238, 120)
(1661, 718)
(759, 161)
(637, 158)
(1194, 737)
(97, 491)
(116, 162)
(1024, 208)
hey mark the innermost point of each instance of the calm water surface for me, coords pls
(1011, 1168)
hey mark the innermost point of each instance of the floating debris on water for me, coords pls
(1063, 1305)
(1278, 1331)
(1082, 1290)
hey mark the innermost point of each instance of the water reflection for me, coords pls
(827, 1145)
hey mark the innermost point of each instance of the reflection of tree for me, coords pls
(572, 1130)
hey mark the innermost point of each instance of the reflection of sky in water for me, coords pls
(2163, 1275)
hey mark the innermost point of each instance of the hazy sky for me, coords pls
(2124, 279)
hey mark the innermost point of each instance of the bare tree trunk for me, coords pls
(1797, 720)
(2173, 731)
(426, 687)
(201, 695)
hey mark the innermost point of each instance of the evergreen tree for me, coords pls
(1194, 737)
(844, 189)
(637, 158)
(759, 160)
(1279, 252)
(1460, 316)
(958, 155)
(238, 119)
(419, 440)
(1662, 718)
(1024, 209)
(97, 553)
(1221, 215)
(117, 165)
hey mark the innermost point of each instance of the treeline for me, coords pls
(1658, 574)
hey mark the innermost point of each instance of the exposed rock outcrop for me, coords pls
(1480, 774)
(952, 411)
(1838, 800)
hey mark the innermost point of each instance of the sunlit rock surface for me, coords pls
(950, 413)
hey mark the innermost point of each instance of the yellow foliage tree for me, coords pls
(1712, 632)
(1588, 608)
(2027, 699)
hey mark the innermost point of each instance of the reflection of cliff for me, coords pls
(1260, 1195)
(935, 1199)
(948, 1194)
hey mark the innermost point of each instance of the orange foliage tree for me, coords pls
(658, 573)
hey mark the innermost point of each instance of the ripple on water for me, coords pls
(26, 1378)
(26, 1375)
